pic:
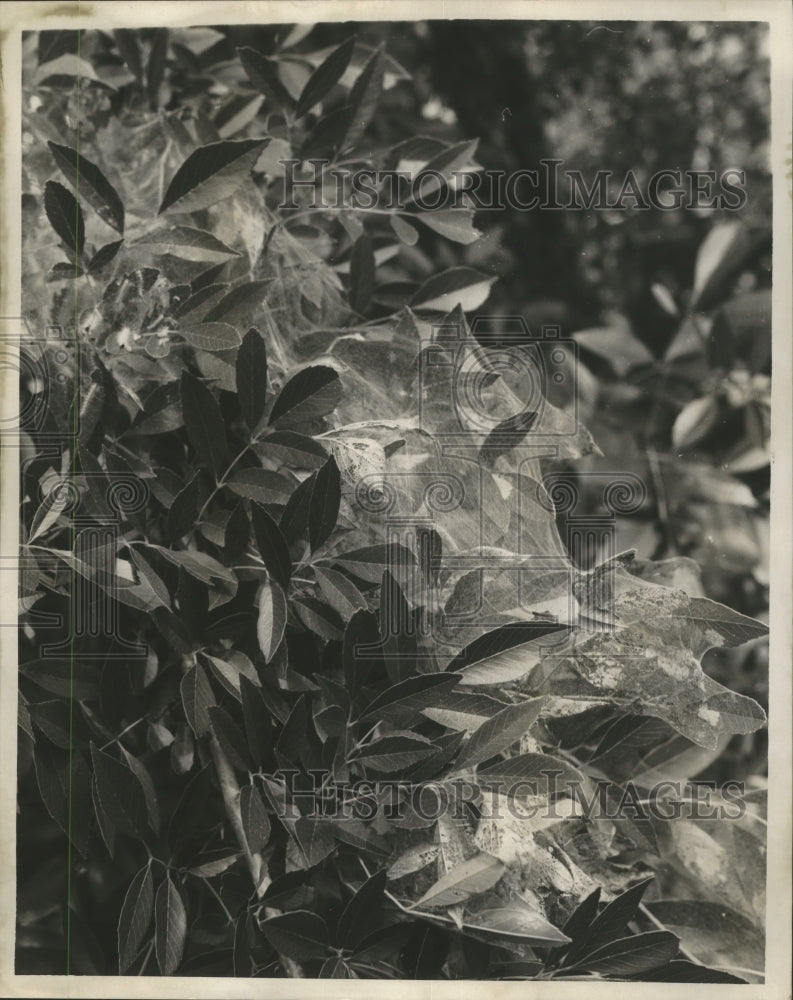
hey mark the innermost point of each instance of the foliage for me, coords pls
(242, 424)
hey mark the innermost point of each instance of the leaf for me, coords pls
(617, 346)
(272, 618)
(229, 738)
(694, 422)
(272, 546)
(215, 866)
(236, 533)
(504, 654)
(507, 434)
(258, 724)
(414, 859)
(103, 256)
(261, 485)
(720, 255)
(529, 771)
(67, 64)
(340, 593)
(120, 795)
(407, 234)
(251, 372)
(411, 695)
(239, 302)
(204, 423)
(500, 732)
(393, 753)
(263, 74)
(211, 336)
(467, 879)
(255, 822)
(170, 927)
(210, 174)
(458, 286)
(90, 184)
(326, 137)
(294, 451)
(362, 274)
(65, 215)
(197, 698)
(362, 913)
(319, 618)
(323, 507)
(609, 924)
(325, 76)
(517, 919)
(364, 96)
(186, 243)
(713, 932)
(300, 935)
(135, 917)
(455, 224)
(369, 563)
(312, 392)
(631, 955)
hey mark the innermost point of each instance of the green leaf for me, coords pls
(205, 426)
(211, 336)
(272, 546)
(120, 795)
(458, 286)
(197, 698)
(500, 732)
(65, 215)
(261, 485)
(300, 935)
(323, 507)
(465, 880)
(170, 927)
(362, 274)
(407, 234)
(272, 618)
(504, 654)
(325, 76)
(255, 822)
(90, 184)
(135, 917)
(210, 174)
(340, 592)
(313, 392)
(251, 372)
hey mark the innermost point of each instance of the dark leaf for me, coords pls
(103, 256)
(229, 737)
(252, 378)
(65, 215)
(364, 96)
(263, 74)
(500, 731)
(312, 392)
(237, 533)
(183, 512)
(362, 274)
(610, 923)
(91, 184)
(258, 725)
(326, 137)
(272, 545)
(409, 696)
(155, 68)
(210, 336)
(204, 423)
(362, 913)
(260, 485)
(631, 955)
(323, 508)
(197, 698)
(325, 76)
(300, 934)
(210, 174)
(503, 655)
(120, 795)
(255, 822)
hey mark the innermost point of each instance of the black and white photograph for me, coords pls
(396, 468)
